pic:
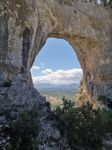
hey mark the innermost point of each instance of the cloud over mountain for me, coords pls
(59, 77)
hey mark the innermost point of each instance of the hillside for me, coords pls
(54, 94)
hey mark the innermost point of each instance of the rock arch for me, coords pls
(84, 24)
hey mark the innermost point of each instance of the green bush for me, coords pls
(24, 132)
(107, 120)
(83, 126)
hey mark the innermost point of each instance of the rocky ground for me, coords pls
(21, 96)
(49, 136)
(16, 103)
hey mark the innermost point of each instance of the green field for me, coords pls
(55, 95)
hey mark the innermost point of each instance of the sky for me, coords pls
(56, 64)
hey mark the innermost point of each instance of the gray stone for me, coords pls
(1, 126)
(2, 120)
(81, 23)
(14, 115)
(84, 24)
(8, 138)
(4, 141)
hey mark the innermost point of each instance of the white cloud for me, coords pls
(59, 77)
(46, 71)
(42, 64)
(35, 68)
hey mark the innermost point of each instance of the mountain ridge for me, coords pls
(49, 86)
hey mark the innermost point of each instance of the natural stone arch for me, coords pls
(85, 24)
(24, 27)
(86, 34)
(82, 49)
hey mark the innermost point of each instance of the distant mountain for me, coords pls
(49, 86)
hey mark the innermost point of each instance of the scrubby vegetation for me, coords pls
(24, 132)
(84, 126)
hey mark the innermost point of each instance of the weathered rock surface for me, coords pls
(82, 96)
(49, 136)
(24, 27)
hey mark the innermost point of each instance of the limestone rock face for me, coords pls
(26, 24)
